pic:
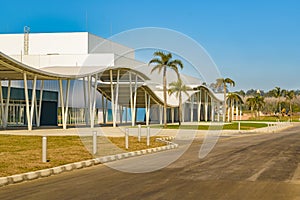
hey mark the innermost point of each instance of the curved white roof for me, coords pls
(13, 70)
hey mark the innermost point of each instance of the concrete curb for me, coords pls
(28, 176)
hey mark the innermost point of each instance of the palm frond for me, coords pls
(157, 67)
(176, 63)
(155, 61)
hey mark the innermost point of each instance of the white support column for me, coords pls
(206, 106)
(112, 98)
(67, 103)
(39, 110)
(134, 100)
(131, 99)
(1, 102)
(192, 108)
(27, 101)
(64, 109)
(237, 111)
(85, 103)
(62, 102)
(240, 111)
(232, 111)
(33, 96)
(199, 106)
(7, 104)
(117, 99)
(94, 102)
(228, 111)
(147, 107)
(89, 97)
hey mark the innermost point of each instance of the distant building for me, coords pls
(80, 78)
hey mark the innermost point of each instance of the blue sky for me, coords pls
(256, 43)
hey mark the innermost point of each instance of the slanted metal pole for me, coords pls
(2, 106)
(199, 106)
(112, 98)
(44, 149)
(131, 100)
(7, 103)
(85, 103)
(94, 142)
(134, 100)
(89, 100)
(67, 103)
(94, 102)
(117, 98)
(27, 102)
(33, 100)
(206, 106)
(38, 111)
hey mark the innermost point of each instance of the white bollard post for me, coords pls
(126, 137)
(44, 149)
(239, 126)
(139, 132)
(94, 142)
(148, 136)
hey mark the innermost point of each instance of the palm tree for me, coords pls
(231, 97)
(251, 103)
(290, 95)
(163, 61)
(178, 87)
(222, 82)
(277, 93)
(256, 103)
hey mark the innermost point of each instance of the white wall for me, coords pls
(91, 60)
(45, 43)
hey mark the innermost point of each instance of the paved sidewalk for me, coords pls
(120, 131)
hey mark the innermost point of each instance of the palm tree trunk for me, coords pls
(225, 104)
(291, 114)
(165, 95)
(180, 109)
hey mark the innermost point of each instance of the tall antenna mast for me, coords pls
(26, 39)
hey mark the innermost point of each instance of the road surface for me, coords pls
(259, 166)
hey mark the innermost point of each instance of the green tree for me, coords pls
(278, 93)
(177, 88)
(222, 82)
(256, 103)
(231, 98)
(289, 96)
(163, 61)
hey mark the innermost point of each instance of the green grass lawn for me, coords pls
(274, 118)
(20, 154)
(232, 126)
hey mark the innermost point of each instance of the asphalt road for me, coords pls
(260, 166)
